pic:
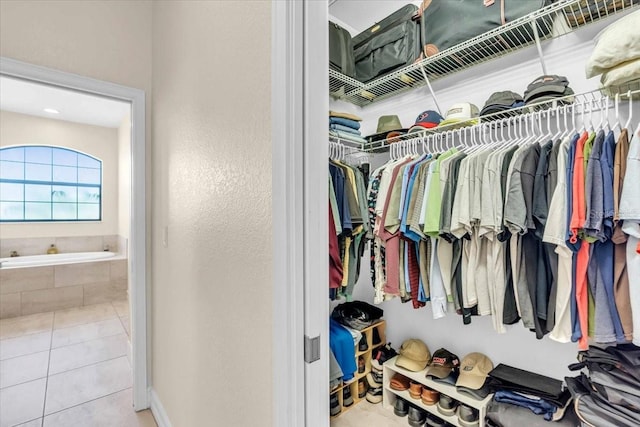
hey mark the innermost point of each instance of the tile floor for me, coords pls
(68, 368)
(366, 414)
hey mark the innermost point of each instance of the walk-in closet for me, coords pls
(484, 214)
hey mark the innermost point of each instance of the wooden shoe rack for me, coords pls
(366, 355)
(389, 395)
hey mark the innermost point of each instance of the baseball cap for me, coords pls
(387, 125)
(442, 364)
(426, 120)
(414, 355)
(474, 369)
(547, 85)
(463, 114)
(502, 101)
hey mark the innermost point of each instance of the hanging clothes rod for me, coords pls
(577, 105)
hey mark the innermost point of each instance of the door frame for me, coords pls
(300, 104)
(138, 218)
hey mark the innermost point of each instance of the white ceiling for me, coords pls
(21, 96)
(358, 15)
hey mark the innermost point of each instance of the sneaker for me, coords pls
(361, 365)
(468, 416)
(401, 407)
(347, 399)
(362, 388)
(374, 395)
(334, 405)
(373, 380)
(447, 405)
(362, 345)
(417, 417)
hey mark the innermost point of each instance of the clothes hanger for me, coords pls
(616, 110)
(628, 123)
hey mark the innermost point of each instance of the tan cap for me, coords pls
(474, 369)
(414, 355)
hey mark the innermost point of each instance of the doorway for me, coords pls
(134, 314)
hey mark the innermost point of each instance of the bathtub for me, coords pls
(55, 259)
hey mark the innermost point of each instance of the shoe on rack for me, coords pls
(468, 416)
(399, 382)
(373, 380)
(362, 388)
(362, 345)
(361, 365)
(347, 399)
(334, 405)
(429, 397)
(376, 337)
(433, 421)
(447, 405)
(415, 390)
(401, 407)
(417, 417)
(376, 374)
(374, 394)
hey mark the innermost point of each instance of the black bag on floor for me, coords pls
(448, 23)
(388, 45)
(341, 56)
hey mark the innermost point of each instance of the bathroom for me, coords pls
(64, 199)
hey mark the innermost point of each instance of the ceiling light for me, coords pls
(51, 111)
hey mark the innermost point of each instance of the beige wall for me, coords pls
(212, 188)
(97, 141)
(211, 162)
(124, 177)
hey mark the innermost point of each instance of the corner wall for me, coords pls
(97, 141)
(212, 191)
(124, 177)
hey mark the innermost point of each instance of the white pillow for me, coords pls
(618, 43)
(621, 74)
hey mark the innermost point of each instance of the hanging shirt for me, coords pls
(619, 238)
(630, 213)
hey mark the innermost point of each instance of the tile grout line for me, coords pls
(90, 340)
(86, 366)
(46, 384)
(89, 401)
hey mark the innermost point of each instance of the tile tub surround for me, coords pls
(39, 245)
(31, 290)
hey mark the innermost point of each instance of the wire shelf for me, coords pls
(578, 104)
(547, 23)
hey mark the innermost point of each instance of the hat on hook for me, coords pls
(547, 87)
(388, 127)
(461, 114)
(426, 120)
(502, 101)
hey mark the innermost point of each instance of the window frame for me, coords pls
(53, 183)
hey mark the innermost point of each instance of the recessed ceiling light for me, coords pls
(51, 111)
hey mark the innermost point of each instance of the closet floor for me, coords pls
(366, 414)
(68, 368)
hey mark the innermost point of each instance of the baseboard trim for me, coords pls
(158, 410)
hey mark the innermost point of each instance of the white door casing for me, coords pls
(300, 201)
(138, 234)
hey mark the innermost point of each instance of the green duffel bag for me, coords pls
(341, 56)
(388, 45)
(449, 23)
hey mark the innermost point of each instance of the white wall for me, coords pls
(124, 177)
(97, 141)
(518, 347)
(212, 189)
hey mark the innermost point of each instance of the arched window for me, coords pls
(42, 183)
